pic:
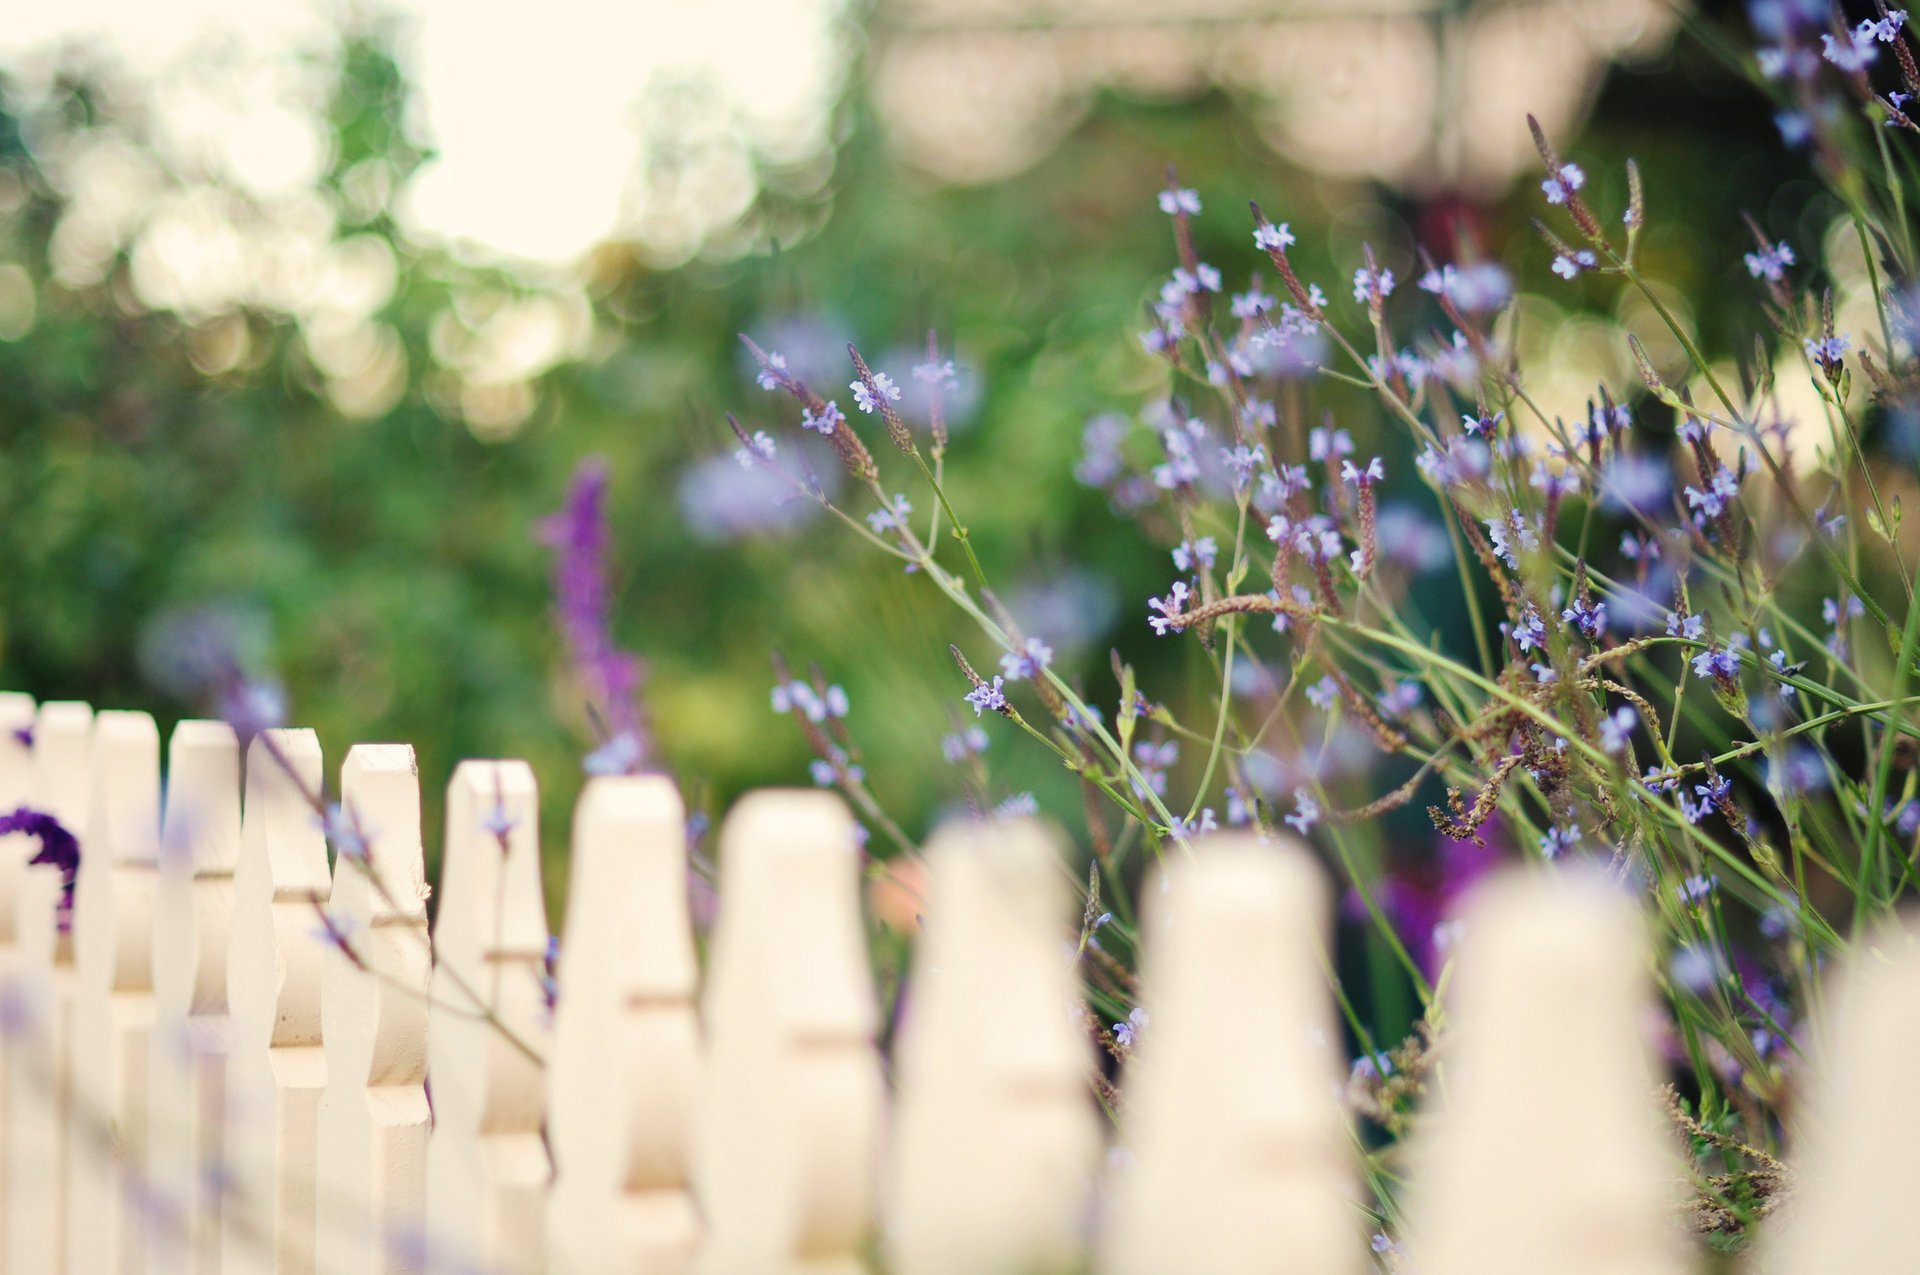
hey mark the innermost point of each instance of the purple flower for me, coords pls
(1127, 1033)
(1531, 632)
(1770, 263)
(1589, 618)
(1560, 187)
(869, 400)
(1187, 829)
(1690, 627)
(1853, 52)
(1026, 662)
(1697, 888)
(1178, 199)
(341, 827)
(1375, 471)
(1199, 554)
(1328, 445)
(988, 696)
(1827, 351)
(1616, 727)
(1716, 662)
(58, 847)
(1322, 693)
(1306, 811)
(888, 518)
(773, 373)
(1273, 237)
(760, 445)
(824, 421)
(1569, 264)
(1511, 535)
(1371, 286)
(584, 607)
(1022, 805)
(1175, 603)
(1559, 839)
(957, 746)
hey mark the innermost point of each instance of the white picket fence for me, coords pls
(199, 1076)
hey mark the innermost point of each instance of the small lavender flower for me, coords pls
(1306, 811)
(1125, 1034)
(761, 445)
(1191, 555)
(1371, 286)
(1323, 692)
(1027, 662)
(1716, 663)
(1690, 627)
(957, 746)
(1531, 632)
(1559, 839)
(1853, 52)
(1175, 603)
(1569, 264)
(1616, 727)
(1022, 805)
(1589, 618)
(1827, 351)
(887, 519)
(1328, 445)
(1560, 187)
(1697, 889)
(1511, 535)
(1770, 263)
(1176, 200)
(869, 400)
(988, 696)
(1402, 698)
(1186, 829)
(1375, 471)
(1273, 237)
(773, 372)
(824, 421)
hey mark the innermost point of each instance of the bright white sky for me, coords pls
(530, 106)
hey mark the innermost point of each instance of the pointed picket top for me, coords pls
(275, 958)
(791, 1107)
(1852, 1153)
(113, 920)
(1546, 1050)
(41, 1003)
(487, 1165)
(625, 1069)
(994, 1137)
(374, 1117)
(1238, 1157)
(199, 845)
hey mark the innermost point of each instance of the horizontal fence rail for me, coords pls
(224, 1050)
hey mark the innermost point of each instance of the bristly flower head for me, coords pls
(583, 604)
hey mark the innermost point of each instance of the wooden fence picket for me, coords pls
(1548, 1052)
(994, 1139)
(192, 1036)
(487, 1165)
(110, 1196)
(16, 790)
(1240, 1159)
(276, 1070)
(625, 1070)
(42, 1074)
(791, 1106)
(1853, 1163)
(374, 1117)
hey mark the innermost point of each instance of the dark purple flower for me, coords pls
(58, 847)
(583, 604)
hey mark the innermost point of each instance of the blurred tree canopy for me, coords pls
(353, 491)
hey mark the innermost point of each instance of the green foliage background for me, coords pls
(386, 569)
